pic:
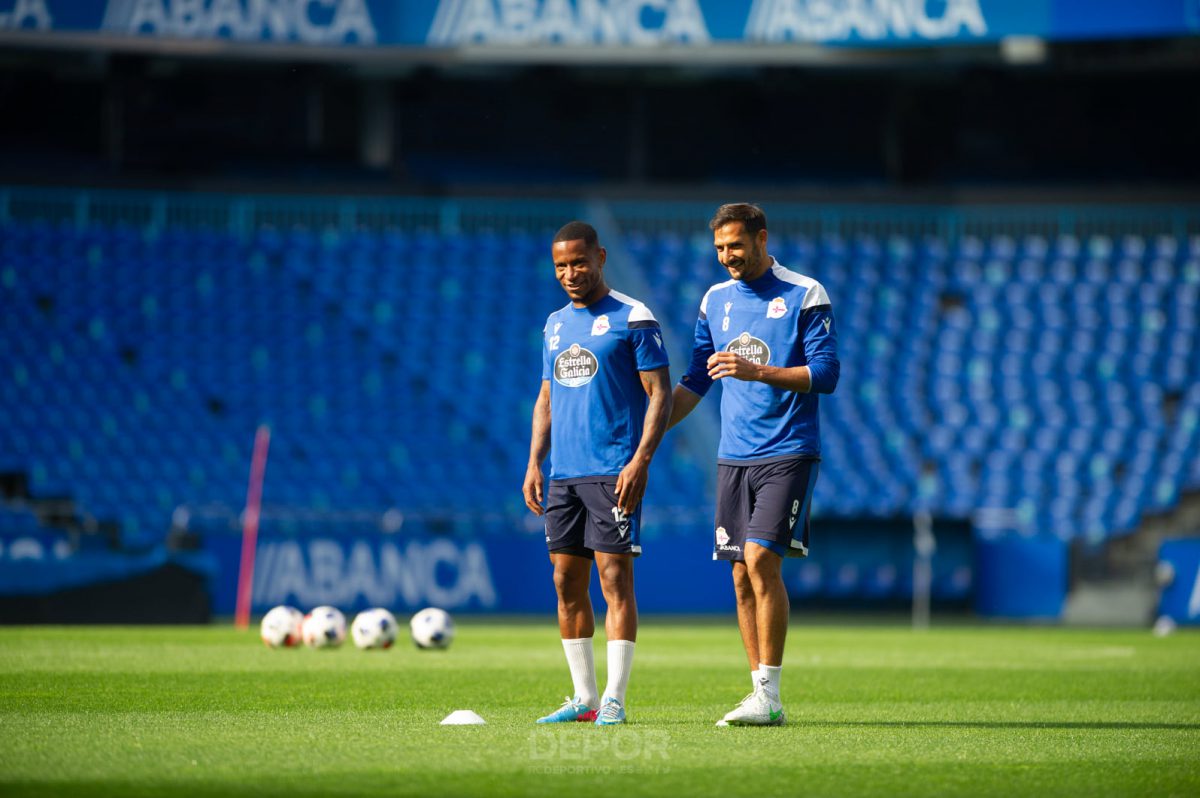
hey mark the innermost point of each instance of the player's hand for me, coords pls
(532, 489)
(728, 364)
(631, 486)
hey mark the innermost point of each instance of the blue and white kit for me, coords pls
(781, 319)
(592, 357)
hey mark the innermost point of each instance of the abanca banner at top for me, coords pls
(621, 24)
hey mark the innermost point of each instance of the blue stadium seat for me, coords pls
(1055, 374)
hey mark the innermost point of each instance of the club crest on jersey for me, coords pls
(600, 326)
(777, 308)
(575, 367)
(753, 349)
(722, 536)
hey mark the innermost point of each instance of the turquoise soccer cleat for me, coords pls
(611, 713)
(573, 710)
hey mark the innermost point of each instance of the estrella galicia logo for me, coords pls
(575, 367)
(753, 349)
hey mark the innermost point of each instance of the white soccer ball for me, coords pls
(432, 628)
(281, 627)
(374, 628)
(324, 627)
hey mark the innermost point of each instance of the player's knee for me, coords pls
(764, 572)
(743, 588)
(616, 579)
(569, 585)
(761, 561)
(763, 583)
(743, 593)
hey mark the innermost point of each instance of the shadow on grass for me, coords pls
(800, 724)
(1002, 724)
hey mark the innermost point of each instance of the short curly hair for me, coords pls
(578, 231)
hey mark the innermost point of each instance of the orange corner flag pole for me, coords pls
(258, 469)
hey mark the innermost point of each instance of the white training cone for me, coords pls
(463, 717)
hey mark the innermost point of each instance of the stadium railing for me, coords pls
(151, 210)
(945, 222)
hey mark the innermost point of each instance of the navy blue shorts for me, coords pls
(767, 503)
(583, 518)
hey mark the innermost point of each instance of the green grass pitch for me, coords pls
(873, 710)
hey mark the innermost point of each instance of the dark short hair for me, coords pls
(578, 231)
(751, 216)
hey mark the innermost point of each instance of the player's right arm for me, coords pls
(695, 382)
(539, 447)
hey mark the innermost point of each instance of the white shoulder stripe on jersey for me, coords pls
(639, 311)
(815, 297)
(704, 302)
(815, 292)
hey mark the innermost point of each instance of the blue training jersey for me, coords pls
(781, 319)
(592, 357)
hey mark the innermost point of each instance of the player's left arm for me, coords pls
(819, 336)
(631, 482)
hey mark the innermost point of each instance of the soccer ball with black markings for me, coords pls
(432, 628)
(280, 627)
(373, 628)
(324, 627)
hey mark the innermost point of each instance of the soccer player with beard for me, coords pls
(768, 333)
(606, 385)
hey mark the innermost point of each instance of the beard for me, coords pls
(752, 265)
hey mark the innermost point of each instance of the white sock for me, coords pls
(754, 679)
(620, 662)
(583, 669)
(769, 676)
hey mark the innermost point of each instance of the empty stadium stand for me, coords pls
(396, 367)
(1054, 377)
(1043, 367)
